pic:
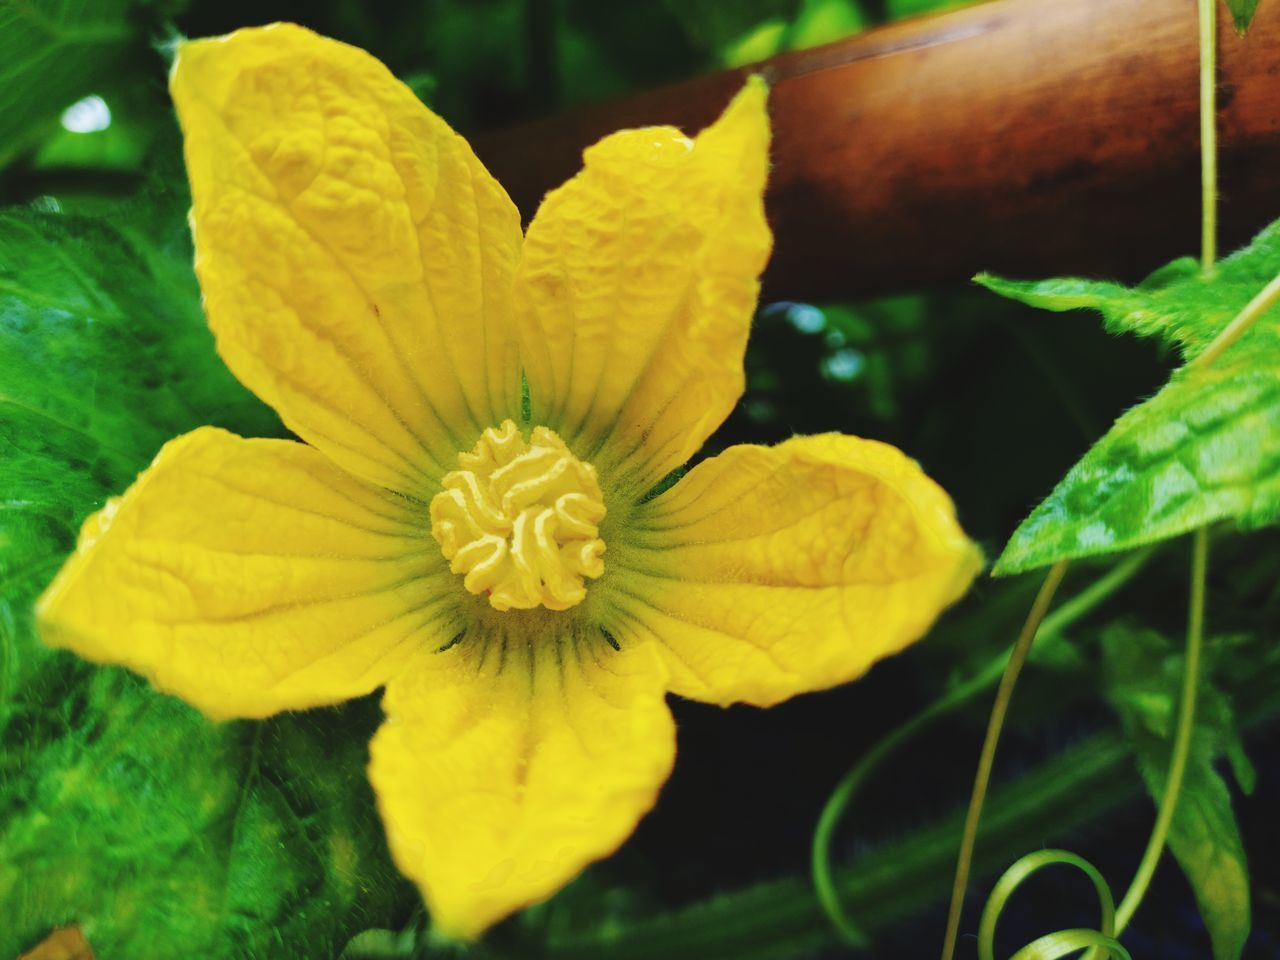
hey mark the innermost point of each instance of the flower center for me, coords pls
(519, 520)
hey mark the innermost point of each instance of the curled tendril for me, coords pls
(842, 797)
(823, 882)
(1100, 943)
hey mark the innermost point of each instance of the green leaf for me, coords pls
(745, 33)
(1178, 302)
(1144, 676)
(903, 9)
(165, 835)
(1205, 448)
(738, 33)
(122, 810)
(104, 355)
(53, 52)
(1242, 12)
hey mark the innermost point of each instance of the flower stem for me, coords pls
(987, 760)
(1208, 134)
(1200, 542)
(1200, 539)
(1069, 611)
(1268, 295)
(1182, 736)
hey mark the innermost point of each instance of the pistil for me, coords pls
(519, 519)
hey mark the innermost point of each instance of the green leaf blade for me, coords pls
(1242, 12)
(121, 809)
(1143, 680)
(1205, 448)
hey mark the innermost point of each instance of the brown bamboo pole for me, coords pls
(1029, 137)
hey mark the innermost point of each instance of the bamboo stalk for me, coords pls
(1027, 137)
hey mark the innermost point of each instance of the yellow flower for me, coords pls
(494, 560)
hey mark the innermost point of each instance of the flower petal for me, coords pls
(504, 768)
(767, 572)
(251, 576)
(356, 259)
(637, 287)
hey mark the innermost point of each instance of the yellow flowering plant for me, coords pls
(479, 517)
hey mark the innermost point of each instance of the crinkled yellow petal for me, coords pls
(356, 259)
(771, 571)
(637, 288)
(504, 767)
(251, 576)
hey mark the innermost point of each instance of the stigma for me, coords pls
(519, 520)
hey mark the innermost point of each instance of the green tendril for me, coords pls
(850, 786)
(1182, 735)
(982, 779)
(1100, 943)
(823, 882)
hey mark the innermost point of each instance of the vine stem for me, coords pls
(837, 804)
(1207, 10)
(1268, 295)
(1208, 134)
(1182, 736)
(1017, 658)
(1260, 304)
(1200, 542)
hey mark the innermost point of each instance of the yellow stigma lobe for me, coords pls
(519, 519)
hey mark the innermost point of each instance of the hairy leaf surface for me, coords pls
(122, 810)
(1205, 448)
